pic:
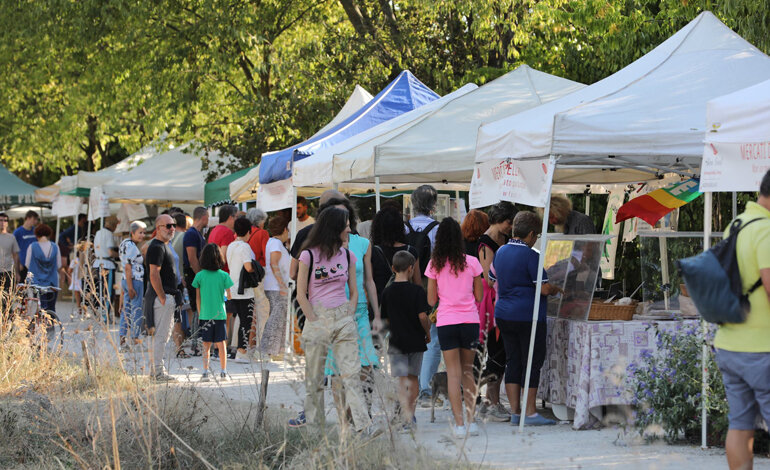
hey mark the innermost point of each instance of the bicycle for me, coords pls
(30, 309)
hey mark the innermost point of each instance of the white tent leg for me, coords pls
(294, 217)
(588, 204)
(538, 288)
(735, 204)
(74, 251)
(377, 194)
(457, 204)
(707, 208)
(58, 228)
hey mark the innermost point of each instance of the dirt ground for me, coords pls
(499, 445)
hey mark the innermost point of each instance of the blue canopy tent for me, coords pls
(403, 94)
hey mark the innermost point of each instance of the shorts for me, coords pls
(213, 331)
(462, 335)
(404, 364)
(746, 386)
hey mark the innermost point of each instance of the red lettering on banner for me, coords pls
(755, 151)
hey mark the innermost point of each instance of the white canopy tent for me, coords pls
(175, 175)
(737, 151)
(327, 166)
(442, 146)
(91, 179)
(648, 117)
(355, 101)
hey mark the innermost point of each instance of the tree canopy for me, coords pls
(88, 82)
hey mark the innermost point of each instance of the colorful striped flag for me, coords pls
(654, 205)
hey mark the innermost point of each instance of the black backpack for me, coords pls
(714, 281)
(421, 242)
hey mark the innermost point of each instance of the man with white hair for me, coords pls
(160, 301)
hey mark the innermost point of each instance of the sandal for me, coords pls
(182, 354)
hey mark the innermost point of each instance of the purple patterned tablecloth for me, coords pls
(586, 362)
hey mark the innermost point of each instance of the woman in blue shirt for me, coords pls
(515, 267)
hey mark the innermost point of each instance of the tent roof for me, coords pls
(80, 183)
(403, 94)
(322, 167)
(13, 190)
(443, 145)
(652, 110)
(172, 176)
(218, 191)
(355, 101)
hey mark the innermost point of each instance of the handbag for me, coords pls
(251, 279)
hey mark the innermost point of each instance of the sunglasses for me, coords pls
(168, 226)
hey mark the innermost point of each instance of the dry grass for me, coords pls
(56, 414)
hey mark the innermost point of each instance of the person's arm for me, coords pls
(157, 284)
(16, 265)
(764, 274)
(425, 322)
(248, 266)
(352, 287)
(192, 257)
(129, 281)
(275, 267)
(370, 289)
(229, 294)
(294, 269)
(478, 288)
(303, 275)
(486, 256)
(433, 292)
(550, 289)
(198, 299)
(28, 255)
(416, 274)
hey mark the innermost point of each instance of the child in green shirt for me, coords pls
(211, 284)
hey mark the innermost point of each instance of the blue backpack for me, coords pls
(714, 281)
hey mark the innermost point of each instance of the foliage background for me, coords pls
(86, 83)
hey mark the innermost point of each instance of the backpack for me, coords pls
(421, 241)
(714, 282)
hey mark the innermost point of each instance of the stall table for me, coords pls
(586, 362)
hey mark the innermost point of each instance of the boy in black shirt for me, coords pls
(406, 305)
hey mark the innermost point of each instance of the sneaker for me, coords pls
(498, 413)
(224, 377)
(458, 431)
(473, 429)
(299, 421)
(515, 419)
(241, 358)
(163, 377)
(482, 410)
(538, 420)
(125, 348)
(205, 377)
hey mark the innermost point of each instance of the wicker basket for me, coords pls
(602, 311)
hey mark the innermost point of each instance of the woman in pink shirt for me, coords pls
(325, 268)
(454, 282)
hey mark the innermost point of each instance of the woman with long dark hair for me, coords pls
(454, 282)
(388, 237)
(325, 268)
(491, 342)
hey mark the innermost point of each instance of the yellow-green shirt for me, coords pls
(753, 253)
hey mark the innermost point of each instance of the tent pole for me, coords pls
(588, 204)
(377, 194)
(294, 215)
(58, 227)
(290, 311)
(74, 250)
(538, 289)
(707, 209)
(457, 204)
(735, 204)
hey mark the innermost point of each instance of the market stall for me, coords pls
(648, 117)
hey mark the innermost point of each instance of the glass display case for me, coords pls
(572, 263)
(661, 285)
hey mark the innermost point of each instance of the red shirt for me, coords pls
(222, 236)
(257, 242)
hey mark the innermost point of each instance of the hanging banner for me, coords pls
(610, 247)
(731, 166)
(67, 206)
(275, 196)
(98, 204)
(518, 181)
(129, 213)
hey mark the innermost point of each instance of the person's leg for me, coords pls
(404, 399)
(178, 335)
(469, 383)
(222, 347)
(430, 362)
(262, 311)
(206, 354)
(134, 312)
(315, 338)
(345, 348)
(454, 378)
(164, 319)
(245, 318)
(495, 367)
(413, 389)
(739, 446)
(274, 332)
(125, 319)
(512, 364)
(538, 358)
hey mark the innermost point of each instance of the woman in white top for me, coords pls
(239, 257)
(133, 285)
(276, 287)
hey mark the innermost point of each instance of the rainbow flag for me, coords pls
(654, 205)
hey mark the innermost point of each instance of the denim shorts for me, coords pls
(747, 387)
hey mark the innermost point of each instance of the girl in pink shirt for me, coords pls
(454, 282)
